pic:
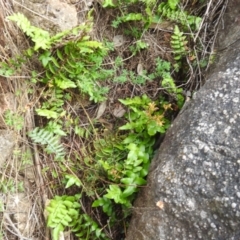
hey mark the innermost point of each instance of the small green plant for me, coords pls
(65, 212)
(40, 37)
(52, 142)
(168, 83)
(14, 120)
(6, 70)
(162, 70)
(71, 180)
(138, 46)
(9, 185)
(179, 44)
(110, 153)
(73, 64)
(127, 18)
(24, 157)
(2, 235)
(55, 128)
(129, 170)
(169, 10)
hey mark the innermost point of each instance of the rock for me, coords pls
(7, 142)
(51, 15)
(193, 189)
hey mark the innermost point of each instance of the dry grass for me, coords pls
(22, 217)
(40, 185)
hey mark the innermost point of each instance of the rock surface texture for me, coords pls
(7, 142)
(193, 189)
(52, 15)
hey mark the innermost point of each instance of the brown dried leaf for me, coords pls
(118, 40)
(101, 109)
(140, 69)
(160, 204)
(119, 111)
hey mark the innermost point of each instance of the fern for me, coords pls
(171, 12)
(75, 63)
(127, 18)
(179, 44)
(52, 142)
(78, 65)
(173, 3)
(53, 107)
(128, 173)
(109, 155)
(64, 211)
(39, 36)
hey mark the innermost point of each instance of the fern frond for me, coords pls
(171, 13)
(52, 142)
(90, 44)
(173, 3)
(64, 212)
(40, 37)
(179, 44)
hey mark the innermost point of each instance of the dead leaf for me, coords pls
(160, 204)
(118, 40)
(166, 25)
(101, 109)
(140, 69)
(119, 111)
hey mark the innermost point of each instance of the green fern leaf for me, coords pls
(22, 23)
(39, 36)
(132, 17)
(108, 3)
(179, 44)
(47, 113)
(170, 11)
(63, 212)
(64, 83)
(55, 62)
(91, 44)
(52, 142)
(52, 68)
(59, 54)
(173, 4)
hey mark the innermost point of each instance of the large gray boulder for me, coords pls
(193, 189)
